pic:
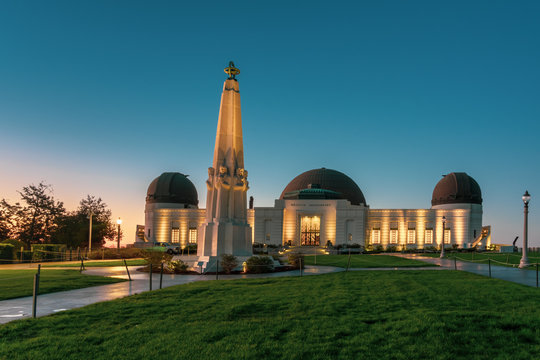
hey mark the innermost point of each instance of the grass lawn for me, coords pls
(364, 261)
(505, 259)
(130, 262)
(354, 315)
(19, 283)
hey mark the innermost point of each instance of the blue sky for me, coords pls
(100, 97)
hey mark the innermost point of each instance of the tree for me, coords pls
(73, 227)
(8, 220)
(35, 220)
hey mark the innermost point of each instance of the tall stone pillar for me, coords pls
(226, 230)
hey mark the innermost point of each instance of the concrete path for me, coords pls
(520, 276)
(21, 308)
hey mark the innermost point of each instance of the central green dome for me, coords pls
(323, 184)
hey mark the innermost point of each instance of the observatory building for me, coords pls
(319, 207)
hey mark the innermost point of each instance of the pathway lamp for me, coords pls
(119, 222)
(90, 214)
(524, 262)
(442, 240)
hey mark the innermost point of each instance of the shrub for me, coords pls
(16, 243)
(177, 266)
(48, 252)
(276, 257)
(156, 258)
(391, 248)
(26, 255)
(228, 262)
(295, 259)
(378, 248)
(259, 264)
(7, 252)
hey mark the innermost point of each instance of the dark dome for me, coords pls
(323, 184)
(172, 187)
(457, 188)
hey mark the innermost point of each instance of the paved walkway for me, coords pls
(51, 303)
(21, 308)
(520, 276)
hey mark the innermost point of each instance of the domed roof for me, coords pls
(456, 188)
(172, 187)
(323, 184)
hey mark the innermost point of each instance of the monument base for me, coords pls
(225, 237)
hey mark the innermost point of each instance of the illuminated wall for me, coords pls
(339, 219)
(163, 221)
(341, 223)
(461, 222)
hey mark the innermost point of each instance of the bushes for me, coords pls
(156, 257)
(177, 266)
(7, 252)
(16, 243)
(44, 252)
(259, 264)
(228, 262)
(26, 255)
(295, 259)
(391, 248)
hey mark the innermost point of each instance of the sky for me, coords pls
(101, 97)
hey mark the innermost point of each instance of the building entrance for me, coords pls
(310, 230)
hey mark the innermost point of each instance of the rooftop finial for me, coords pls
(231, 70)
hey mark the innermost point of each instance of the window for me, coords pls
(175, 235)
(268, 238)
(192, 235)
(375, 236)
(429, 236)
(447, 236)
(148, 232)
(393, 236)
(411, 236)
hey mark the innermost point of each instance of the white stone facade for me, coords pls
(340, 223)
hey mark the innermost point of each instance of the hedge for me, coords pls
(7, 253)
(48, 251)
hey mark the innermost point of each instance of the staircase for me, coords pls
(484, 239)
(306, 250)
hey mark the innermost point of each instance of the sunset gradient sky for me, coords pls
(100, 97)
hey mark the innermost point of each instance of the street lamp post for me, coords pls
(524, 262)
(90, 214)
(119, 222)
(442, 240)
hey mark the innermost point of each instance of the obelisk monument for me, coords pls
(226, 230)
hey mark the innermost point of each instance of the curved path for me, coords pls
(21, 308)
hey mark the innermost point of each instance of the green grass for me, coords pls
(365, 261)
(505, 259)
(19, 283)
(130, 262)
(354, 315)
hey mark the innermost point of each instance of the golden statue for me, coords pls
(231, 70)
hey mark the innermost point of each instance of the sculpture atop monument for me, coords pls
(226, 230)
